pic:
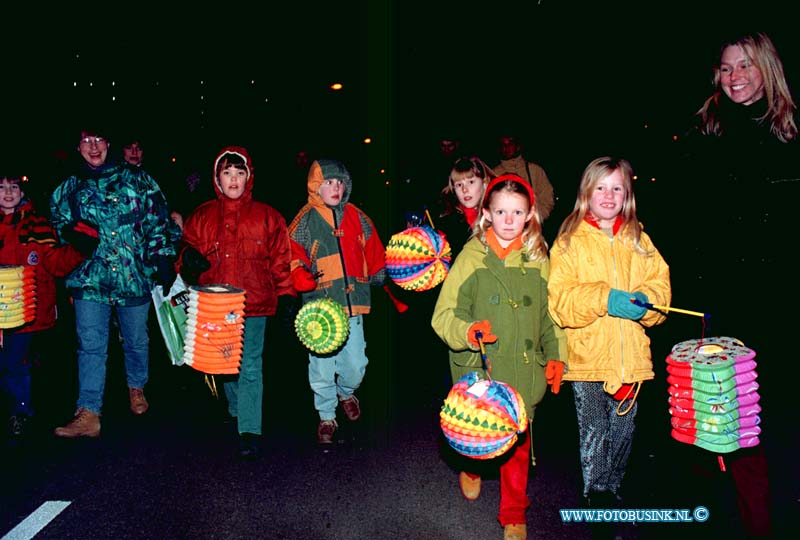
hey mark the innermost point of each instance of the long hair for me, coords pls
(781, 107)
(464, 167)
(599, 168)
(533, 241)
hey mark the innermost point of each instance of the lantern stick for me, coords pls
(648, 305)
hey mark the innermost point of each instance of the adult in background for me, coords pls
(116, 216)
(512, 161)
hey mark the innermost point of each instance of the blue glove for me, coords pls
(620, 305)
(165, 274)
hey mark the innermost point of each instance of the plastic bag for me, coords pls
(171, 315)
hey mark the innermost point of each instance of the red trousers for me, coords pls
(514, 483)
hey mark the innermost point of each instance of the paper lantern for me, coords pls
(482, 418)
(418, 258)
(214, 340)
(17, 295)
(713, 394)
(322, 325)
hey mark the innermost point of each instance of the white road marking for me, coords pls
(37, 521)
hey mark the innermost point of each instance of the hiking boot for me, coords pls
(17, 425)
(470, 487)
(325, 431)
(351, 408)
(85, 424)
(139, 404)
(249, 445)
(515, 531)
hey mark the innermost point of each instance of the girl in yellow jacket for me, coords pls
(603, 268)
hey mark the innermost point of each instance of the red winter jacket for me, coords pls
(245, 241)
(28, 239)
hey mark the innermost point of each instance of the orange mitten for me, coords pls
(485, 328)
(303, 280)
(553, 372)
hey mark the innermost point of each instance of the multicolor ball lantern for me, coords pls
(214, 329)
(713, 394)
(418, 258)
(322, 325)
(482, 418)
(17, 295)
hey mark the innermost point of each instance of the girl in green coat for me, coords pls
(498, 286)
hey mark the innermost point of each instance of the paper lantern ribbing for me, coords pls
(418, 258)
(713, 394)
(17, 295)
(322, 325)
(214, 329)
(481, 418)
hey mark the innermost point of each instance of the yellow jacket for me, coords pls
(601, 347)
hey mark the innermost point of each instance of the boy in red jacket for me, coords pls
(27, 239)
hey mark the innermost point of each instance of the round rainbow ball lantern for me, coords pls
(418, 258)
(481, 418)
(322, 325)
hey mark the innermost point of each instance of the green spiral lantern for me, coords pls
(322, 325)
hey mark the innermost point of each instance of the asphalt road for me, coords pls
(174, 473)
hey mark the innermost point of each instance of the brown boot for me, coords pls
(515, 531)
(139, 404)
(85, 424)
(470, 485)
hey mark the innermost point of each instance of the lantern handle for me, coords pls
(487, 365)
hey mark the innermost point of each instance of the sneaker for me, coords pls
(139, 403)
(17, 425)
(325, 431)
(85, 424)
(351, 408)
(249, 445)
(515, 531)
(470, 487)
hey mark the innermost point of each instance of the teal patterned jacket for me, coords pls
(129, 210)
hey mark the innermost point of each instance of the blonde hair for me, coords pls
(463, 167)
(781, 107)
(534, 245)
(630, 229)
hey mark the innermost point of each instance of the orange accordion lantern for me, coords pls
(17, 295)
(214, 329)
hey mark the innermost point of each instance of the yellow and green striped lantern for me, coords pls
(322, 325)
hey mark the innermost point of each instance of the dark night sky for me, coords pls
(576, 81)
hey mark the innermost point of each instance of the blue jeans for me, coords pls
(339, 374)
(15, 371)
(92, 321)
(246, 392)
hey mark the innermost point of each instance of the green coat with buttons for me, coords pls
(512, 295)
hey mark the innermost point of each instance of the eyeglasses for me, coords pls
(96, 140)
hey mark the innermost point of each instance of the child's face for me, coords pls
(508, 212)
(133, 153)
(469, 191)
(10, 195)
(607, 199)
(331, 190)
(232, 181)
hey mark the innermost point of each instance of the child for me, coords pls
(461, 199)
(498, 285)
(336, 253)
(27, 239)
(236, 240)
(600, 261)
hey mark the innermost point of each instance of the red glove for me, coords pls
(483, 327)
(303, 280)
(553, 372)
